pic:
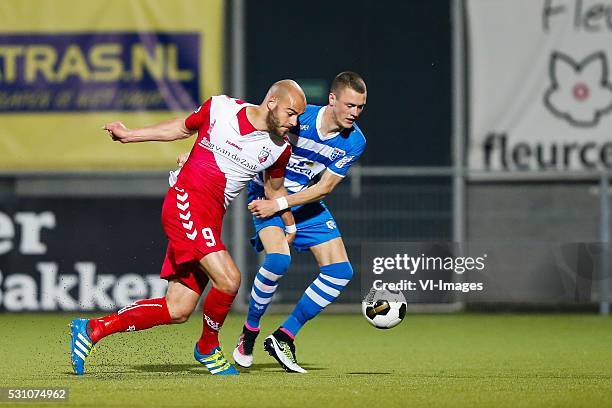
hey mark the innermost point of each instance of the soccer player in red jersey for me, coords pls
(235, 141)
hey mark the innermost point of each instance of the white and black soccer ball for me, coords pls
(384, 309)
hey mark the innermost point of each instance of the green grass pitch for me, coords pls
(429, 360)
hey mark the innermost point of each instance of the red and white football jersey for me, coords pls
(229, 151)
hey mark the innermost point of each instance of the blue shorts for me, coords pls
(314, 223)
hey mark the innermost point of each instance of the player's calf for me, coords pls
(264, 286)
(207, 350)
(215, 308)
(324, 290)
(140, 315)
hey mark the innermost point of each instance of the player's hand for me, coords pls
(182, 159)
(118, 132)
(263, 208)
(290, 237)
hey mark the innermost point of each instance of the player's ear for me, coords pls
(332, 99)
(272, 102)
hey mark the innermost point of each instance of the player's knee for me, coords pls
(179, 313)
(229, 283)
(277, 263)
(342, 270)
(228, 287)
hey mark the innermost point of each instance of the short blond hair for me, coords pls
(348, 79)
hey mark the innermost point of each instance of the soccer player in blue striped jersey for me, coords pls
(326, 142)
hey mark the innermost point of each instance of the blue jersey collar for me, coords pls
(318, 125)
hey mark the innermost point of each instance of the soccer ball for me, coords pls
(384, 309)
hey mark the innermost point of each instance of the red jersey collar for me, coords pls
(244, 124)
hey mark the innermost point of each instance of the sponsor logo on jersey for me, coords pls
(263, 155)
(301, 168)
(229, 142)
(235, 157)
(304, 127)
(337, 153)
(344, 161)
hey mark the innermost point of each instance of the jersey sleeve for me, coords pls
(341, 166)
(277, 170)
(199, 117)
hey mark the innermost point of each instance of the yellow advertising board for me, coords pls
(68, 67)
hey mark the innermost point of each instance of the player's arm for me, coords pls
(332, 176)
(316, 192)
(167, 131)
(275, 188)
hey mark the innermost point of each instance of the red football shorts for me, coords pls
(188, 273)
(193, 227)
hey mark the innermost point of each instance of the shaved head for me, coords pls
(287, 88)
(284, 102)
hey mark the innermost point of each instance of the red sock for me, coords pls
(140, 315)
(215, 308)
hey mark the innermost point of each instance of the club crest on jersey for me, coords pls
(263, 155)
(337, 153)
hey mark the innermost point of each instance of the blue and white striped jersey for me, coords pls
(312, 153)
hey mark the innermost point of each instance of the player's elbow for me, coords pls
(179, 131)
(325, 189)
(184, 134)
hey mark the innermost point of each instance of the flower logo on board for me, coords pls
(580, 92)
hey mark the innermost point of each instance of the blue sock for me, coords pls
(324, 290)
(264, 286)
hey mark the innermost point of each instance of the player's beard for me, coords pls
(274, 126)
